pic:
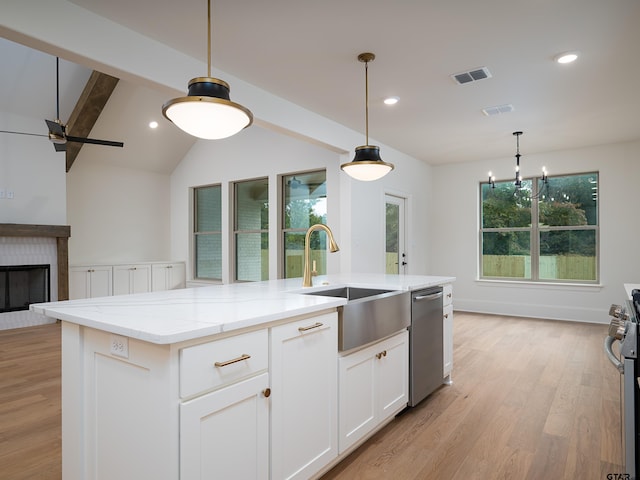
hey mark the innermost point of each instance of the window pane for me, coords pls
(568, 255)
(294, 253)
(252, 205)
(569, 200)
(208, 209)
(209, 256)
(392, 238)
(305, 199)
(252, 256)
(505, 206)
(506, 254)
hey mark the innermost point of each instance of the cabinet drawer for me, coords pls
(447, 295)
(214, 364)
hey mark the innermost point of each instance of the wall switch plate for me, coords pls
(9, 195)
(2, 193)
(119, 346)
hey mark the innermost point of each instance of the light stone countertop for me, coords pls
(178, 315)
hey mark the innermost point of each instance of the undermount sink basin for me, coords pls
(350, 293)
(370, 314)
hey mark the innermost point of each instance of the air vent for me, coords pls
(498, 109)
(474, 75)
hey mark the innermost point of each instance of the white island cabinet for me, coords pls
(374, 386)
(304, 417)
(230, 381)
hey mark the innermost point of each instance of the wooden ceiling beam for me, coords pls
(94, 97)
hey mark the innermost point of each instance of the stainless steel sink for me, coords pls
(369, 315)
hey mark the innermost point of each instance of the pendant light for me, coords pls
(206, 111)
(367, 164)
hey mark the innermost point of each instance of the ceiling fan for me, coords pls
(57, 129)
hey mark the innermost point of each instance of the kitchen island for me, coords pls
(225, 381)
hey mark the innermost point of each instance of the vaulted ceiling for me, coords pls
(306, 52)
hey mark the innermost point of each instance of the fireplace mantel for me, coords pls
(61, 233)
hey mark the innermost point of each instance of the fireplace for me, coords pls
(26, 246)
(22, 285)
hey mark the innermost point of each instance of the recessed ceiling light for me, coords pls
(566, 57)
(153, 124)
(391, 100)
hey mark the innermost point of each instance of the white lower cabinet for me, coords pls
(447, 329)
(90, 281)
(373, 386)
(303, 368)
(167, 276)
(225, 434)
(131, 279)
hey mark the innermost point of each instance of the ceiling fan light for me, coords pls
(207, 112)
(367, 164)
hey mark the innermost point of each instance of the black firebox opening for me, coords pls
(22, 285)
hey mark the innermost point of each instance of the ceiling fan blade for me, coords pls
(24, 133)
(94, 141)
(55, 128)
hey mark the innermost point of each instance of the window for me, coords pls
(542, 231)
(304, 205)
(207, 232)
(251, 230)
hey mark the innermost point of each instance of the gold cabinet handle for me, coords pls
(449, 295)
(242, 357)
(381, 354)
(446, 315)
(266, 392)
(310, 327)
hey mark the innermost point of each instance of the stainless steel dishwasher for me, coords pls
(425, 344)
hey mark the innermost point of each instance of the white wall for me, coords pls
(117, 215)
(33, 172)
(454, 243)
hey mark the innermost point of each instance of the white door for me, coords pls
(395, 233)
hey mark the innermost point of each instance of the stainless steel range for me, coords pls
(623, 328)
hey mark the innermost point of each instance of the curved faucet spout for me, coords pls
(333, 247)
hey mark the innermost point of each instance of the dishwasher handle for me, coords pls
(433, 296)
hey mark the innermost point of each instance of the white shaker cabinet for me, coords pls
(304, 435)
(225, 434)
(167, 276)
(89, 281)
(224, 417)
(374, 386)
(447, 319)
(131, 279)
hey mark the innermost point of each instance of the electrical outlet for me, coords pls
(119, 346)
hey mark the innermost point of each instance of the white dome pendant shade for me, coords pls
(207, 111)
(367, 165)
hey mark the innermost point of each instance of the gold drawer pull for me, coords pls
(449, 295)
(446, 315)
(381, 354)
(242, 357)
(310, 327)
(266, 392)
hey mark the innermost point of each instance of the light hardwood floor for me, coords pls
(531, 399)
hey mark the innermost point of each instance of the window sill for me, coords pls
(539, 285)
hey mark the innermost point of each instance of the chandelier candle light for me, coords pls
(207, 111)
(367, 164)
(518, 179)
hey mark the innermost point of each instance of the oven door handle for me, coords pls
(608, 344)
